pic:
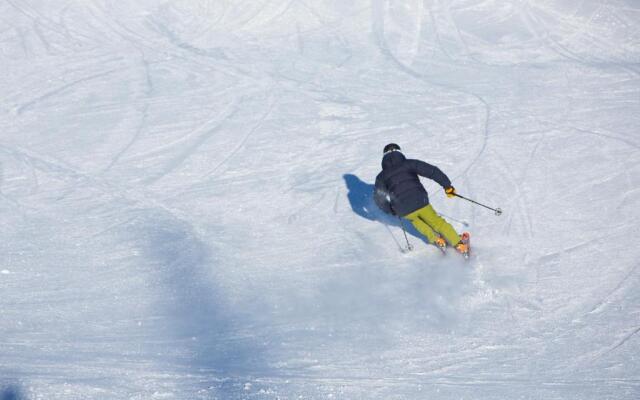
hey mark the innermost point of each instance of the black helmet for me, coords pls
(390, 147)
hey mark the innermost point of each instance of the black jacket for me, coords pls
(398, 188)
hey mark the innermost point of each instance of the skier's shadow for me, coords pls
(361, 200)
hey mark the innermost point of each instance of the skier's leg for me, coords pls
(439, 224)
(422, 226)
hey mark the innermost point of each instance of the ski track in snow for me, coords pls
(186, 209)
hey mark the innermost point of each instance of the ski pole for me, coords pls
(498, 211)
(409, 246)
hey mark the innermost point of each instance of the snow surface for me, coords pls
(185, 199)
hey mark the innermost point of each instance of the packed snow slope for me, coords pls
(185, 199)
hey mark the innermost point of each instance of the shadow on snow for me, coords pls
(11, 392)
(201, 317)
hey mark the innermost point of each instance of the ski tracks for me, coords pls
(190, 59)
(29, 104)
(79, 179)
(200, 137)
(246, 138)
(623, 339)
(141, 126)
(606, 300)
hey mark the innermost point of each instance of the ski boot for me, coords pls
(463, 245)
(441, 244)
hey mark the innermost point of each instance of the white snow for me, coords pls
(185, 199)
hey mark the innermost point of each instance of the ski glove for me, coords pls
(450, 191)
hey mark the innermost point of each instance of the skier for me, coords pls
(398, 191)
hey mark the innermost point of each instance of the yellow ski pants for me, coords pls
(430, 224)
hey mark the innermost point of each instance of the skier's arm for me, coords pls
(381, 196)
(430, 171)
